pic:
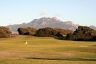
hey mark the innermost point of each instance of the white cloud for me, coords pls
(44, 13)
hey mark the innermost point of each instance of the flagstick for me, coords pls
(26, 42)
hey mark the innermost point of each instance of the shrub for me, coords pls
(5, 32)
(26, 31)
(63, 31)
(82, 33)
(46, 32)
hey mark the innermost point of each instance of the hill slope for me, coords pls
(46, 22)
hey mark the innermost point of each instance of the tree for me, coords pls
(26, 31)
(82, 33)
(5, 32)
(46, 32)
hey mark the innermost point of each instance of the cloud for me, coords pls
(44, 13)
(47, 13)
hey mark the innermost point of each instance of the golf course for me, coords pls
(46, 50)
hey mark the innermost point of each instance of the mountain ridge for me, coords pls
(47, 22)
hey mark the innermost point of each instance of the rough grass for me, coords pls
(40, 50)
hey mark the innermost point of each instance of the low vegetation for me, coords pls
(83, 33)
(26, 31)
(46, 50)
(46, 32)
(64, 31)
(5, 32)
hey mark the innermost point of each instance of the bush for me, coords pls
(50, 32)
(82, 33)
(5, 32)
(26, 31)
(46, 32)
(63, 31)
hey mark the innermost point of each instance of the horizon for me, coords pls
(78, 11)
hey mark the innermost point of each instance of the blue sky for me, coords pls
(81, 12)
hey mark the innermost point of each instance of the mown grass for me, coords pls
(40, 50)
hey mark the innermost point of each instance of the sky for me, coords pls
(81, 12)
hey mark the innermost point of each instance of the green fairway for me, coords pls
(46, 50)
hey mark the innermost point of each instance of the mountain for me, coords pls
(53, 23)
(93, 27)
(14, 27)
(46, 22)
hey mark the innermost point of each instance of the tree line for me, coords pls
(82, 33)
